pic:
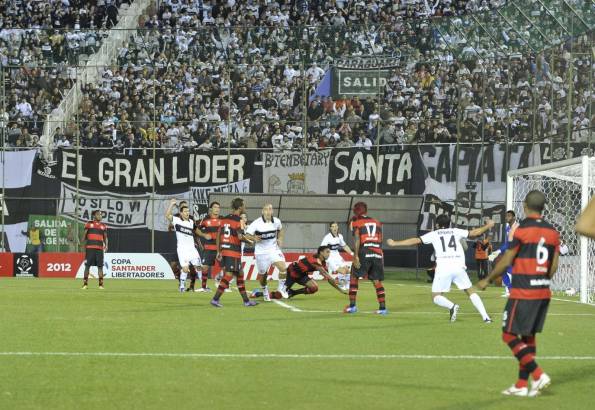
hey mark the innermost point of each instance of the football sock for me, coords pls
(281, 284)
(506, 279)
(265, 291)
(443, 302)
(86, 278)
(531, 342)
(223, 284)
(242, 288)
(299, 291)
(183, 276)
(101, 280)
(204, 279)
(476, 300)
(353, 287)
(380, 294)
(524, 353)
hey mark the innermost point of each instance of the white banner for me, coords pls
(119, 211)
(296, 172)
(132, 266)
(18, 166)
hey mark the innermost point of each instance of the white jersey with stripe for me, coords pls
(335, 243)
(184, 232)
(268, 232)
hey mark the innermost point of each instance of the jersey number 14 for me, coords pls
(452, 243)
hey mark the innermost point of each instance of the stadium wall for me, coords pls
(465, 181)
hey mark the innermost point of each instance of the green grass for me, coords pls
(55, 315)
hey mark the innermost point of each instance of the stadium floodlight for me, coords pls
(568, 186)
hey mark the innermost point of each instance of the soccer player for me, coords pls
(511, 225)
(186, 248)
(450, 263)
(533, 254)
(175, 265)
(207, 230)
(368, 259)
(95, 239)
(334, 240)
(267, 234)
(229, 237)
(299, 272)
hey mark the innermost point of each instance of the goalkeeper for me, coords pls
(511, 225)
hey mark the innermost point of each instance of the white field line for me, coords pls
(280, 356)
(287, 306)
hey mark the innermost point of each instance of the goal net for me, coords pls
(567, 185)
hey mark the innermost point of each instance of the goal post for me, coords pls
(567, 185)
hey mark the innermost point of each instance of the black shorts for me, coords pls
(524, 317)
(373, 266)
(94, 257)
(301, 280)
(231, 264)
(208, 258)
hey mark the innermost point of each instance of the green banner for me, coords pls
(362, 83)
(58, 234)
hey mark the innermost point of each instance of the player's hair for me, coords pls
(360, 208)
(95, 212)
(183, 207)
(212, 204)
(332, 223)
(322, 248)
(535, 201)
(237, 203)
(510, 211)
(443, 221)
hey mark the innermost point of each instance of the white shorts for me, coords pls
(443, 280)
(265, 260)
(335, 262)
(187, 256)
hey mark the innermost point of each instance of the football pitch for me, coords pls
(141, 344)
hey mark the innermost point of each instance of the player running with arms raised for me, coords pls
(533, 254)
(186, 248)
(450, 263)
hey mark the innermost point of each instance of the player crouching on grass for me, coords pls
(299, 272)
(533, 253)
(450, 263)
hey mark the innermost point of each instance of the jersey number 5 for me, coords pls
(226, 231)
(452, 243)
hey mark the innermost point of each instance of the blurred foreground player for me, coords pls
(533, 254)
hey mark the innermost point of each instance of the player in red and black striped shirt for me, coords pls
(207, 230)
(299, 272)
(368, 259)
(229, 252)
(95, 239)
(533, 254)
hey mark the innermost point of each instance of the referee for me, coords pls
(95, 240)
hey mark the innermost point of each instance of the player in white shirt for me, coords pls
(334, 240)
(267, 234)
(450, 263)
(187, 253)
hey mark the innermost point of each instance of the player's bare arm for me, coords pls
(356, 262)
(280, 237)
(218, 243)
(554, 265)
(347, 249)
(84, 241)
(481, 230)
(504, 262)
(330, 279)
(168, 212)
(585, 225)
(105, 241)
(405, 242)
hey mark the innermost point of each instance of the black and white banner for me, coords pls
(291, 172)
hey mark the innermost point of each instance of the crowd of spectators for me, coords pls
(40, 42)
(212, 74)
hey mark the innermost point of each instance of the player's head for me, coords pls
(214, 208)
(510, 215)
(442, 221)
(360, 209)
(334, 228)
(238, 204)
(184, 212)
(534, 202)
(323, 252)
(244, 217)
(97, 215)
(267, 211)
